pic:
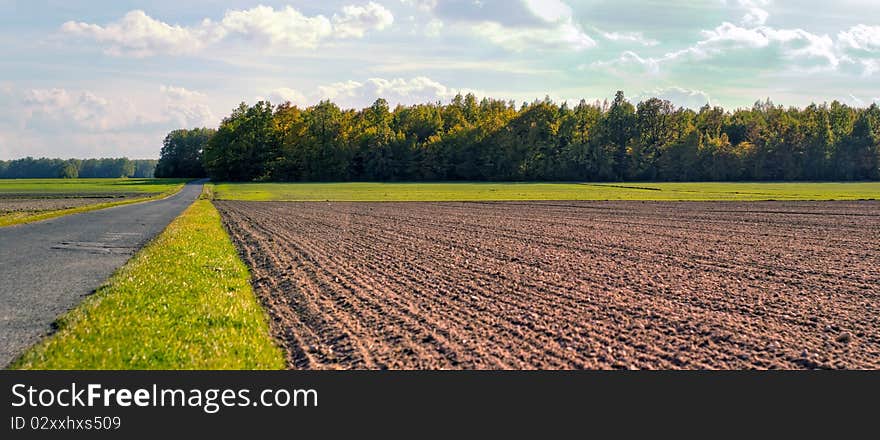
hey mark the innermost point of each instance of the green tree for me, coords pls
(617, 128)
(818, 142)
(68, 171)
(145, 168)
(499, 140)
(181, 154)
(655, 129)
(858, 158)
(244, 147)
(679, 160)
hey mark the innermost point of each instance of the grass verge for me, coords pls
(498, 191)
(183, 302)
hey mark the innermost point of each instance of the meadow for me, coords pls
(483, 191)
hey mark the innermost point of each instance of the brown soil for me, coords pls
(10, 204)
(555, 285)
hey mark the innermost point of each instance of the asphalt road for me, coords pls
(48, 267)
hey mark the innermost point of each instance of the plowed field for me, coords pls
(567, 284)
(10, 204)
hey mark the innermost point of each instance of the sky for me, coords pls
(110, 78)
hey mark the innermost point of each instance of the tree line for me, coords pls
(45, 168)
(495, 140)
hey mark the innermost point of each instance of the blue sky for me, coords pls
(110, 78)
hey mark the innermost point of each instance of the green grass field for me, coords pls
(183, 302)
(375, 192)
(72, 187)
(52, 188)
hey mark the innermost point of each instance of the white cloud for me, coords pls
(755, 17)
(433, 28)
(424, 5)
(180, 93)
(398, 90)
(416, 90)
(794, 45)
(755, 13)
(692, 99)
(140, 35)
(626, 59)
(512, 13)
(762, 47)
(286, 94)
(856, 101)
(633, 37)
(551, 11)
(471, 67)
(860, 38)
(186, 107)
(337, 90)
(859, 47)
(357, 94)
(284, 27)
(58, 110)
(565, 35)
(107, 123)
(290, 28)
(513, 25)
(870, 67)
(192, 115)
(112, 122)
(355, 21)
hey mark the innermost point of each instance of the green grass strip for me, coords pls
(183, 302)
(498, 191)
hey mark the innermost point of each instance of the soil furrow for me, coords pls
(556, 285)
